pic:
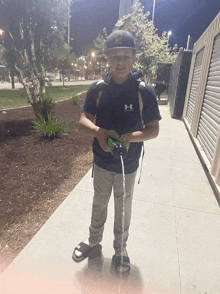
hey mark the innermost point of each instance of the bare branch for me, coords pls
(24, 83)
(10, 34)
(21, 31)
(26, 59)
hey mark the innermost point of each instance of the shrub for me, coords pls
(76, 99)
(51, 128)
(47, 103)
(44, 106)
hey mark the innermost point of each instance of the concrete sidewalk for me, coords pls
(174, 235)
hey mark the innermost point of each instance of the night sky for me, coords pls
(182, 17)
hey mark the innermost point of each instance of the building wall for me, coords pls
(200, 78)
(125, 7)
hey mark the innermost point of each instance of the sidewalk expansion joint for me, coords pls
(179, 207)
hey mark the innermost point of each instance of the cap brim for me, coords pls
(109, 49)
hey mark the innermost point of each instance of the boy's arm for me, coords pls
(87, 123)
(150, 131)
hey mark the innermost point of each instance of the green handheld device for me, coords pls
(117, 148)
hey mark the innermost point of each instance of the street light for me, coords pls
(1, 32)
(169, 33)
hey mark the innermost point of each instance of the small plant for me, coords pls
(47, 103)
(76, 99)
(51, 128)
(45, 106)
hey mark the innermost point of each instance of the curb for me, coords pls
(5, 109)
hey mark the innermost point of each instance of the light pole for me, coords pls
(153, 12)
(68, 21)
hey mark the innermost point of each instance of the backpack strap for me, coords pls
(141, 108)
(142, 122)
(98, 98)
(100, 92)
(100, 82)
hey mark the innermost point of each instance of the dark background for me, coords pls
(182, 17)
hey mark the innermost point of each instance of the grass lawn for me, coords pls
(17, 98)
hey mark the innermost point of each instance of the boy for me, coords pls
(115, 105)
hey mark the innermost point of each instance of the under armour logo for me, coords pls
(129, 107)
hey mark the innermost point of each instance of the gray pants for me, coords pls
(104, 181)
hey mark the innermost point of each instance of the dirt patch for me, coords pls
(36, 175)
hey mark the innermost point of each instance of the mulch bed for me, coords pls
(37, 174)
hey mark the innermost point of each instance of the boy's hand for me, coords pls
(102, 136)
(126, 138)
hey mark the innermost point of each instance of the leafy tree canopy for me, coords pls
(32, 29)
(151, 48)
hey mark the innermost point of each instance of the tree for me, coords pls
(81, 67)
(58, 56)
(100, 44)
(151, 48)
(30, 28)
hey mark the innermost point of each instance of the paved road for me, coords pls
(19, 85)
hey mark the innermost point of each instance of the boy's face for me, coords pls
(121, 61)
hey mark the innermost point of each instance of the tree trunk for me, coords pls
(43, 76)
(37, 108)
(12, 79)
(42, 84)
(43, 71)
(33, 99)
(23, 81)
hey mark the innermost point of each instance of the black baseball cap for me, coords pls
(120, 39)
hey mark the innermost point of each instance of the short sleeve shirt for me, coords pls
(118, 109)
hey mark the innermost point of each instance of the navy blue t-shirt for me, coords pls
(118, 109)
